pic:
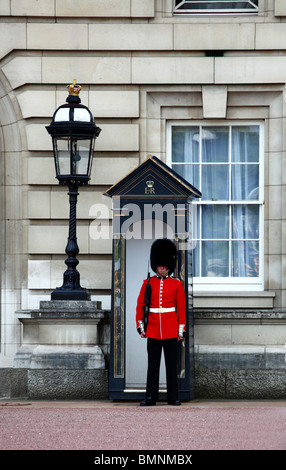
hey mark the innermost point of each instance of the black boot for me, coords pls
(174, 402)
(148, 402)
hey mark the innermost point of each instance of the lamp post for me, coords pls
(73, 133)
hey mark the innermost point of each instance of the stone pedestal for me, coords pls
(60, 350)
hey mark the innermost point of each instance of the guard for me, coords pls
(166, 320)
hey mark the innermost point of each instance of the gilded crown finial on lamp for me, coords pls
(74, 89)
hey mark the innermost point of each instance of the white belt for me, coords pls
(162, 310)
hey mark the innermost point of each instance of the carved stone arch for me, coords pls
(11, 219)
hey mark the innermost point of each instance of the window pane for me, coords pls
(215, 222)
(215, 259)
(245, 222)
(245, 144)
(219, 5)
(245, 259)
(191, 173)
(215, 182)
(245, 183)
(223, 163)
(215, 144)
(196, 260)
(185, 144)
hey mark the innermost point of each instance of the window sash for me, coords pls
(239, 244)
(216, 7)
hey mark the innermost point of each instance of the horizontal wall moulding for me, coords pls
(250, 70)
(131, 37)
(182, 70)
(127, 70)
(114, 137)
(88, 8)
(68, 36)
(94, 70)
(102, 103)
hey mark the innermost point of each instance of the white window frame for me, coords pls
(178, 10)
(231, 284)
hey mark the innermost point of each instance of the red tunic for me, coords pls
(165, 293)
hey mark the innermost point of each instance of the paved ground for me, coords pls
(107, 425)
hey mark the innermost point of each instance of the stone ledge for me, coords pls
(237, 300)
(239, 315)
(72, 309)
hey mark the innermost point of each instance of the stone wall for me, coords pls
(240, 354)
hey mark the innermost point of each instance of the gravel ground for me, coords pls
(127, 426)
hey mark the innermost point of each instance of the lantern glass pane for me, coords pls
(81, 114)
(73, 156)
(80, 157)
(62, 114)
(62, 156)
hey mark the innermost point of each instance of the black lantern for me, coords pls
(73, 133)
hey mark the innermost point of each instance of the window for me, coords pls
(224, 163)
(215, 6)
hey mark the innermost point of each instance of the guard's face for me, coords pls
(162, 270)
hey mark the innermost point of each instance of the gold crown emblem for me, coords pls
(150, 184)
(74, 89)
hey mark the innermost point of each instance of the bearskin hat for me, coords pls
(163, 253)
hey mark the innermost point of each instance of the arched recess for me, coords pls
(137, 256)
(12, 268)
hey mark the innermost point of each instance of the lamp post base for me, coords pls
(69, 294)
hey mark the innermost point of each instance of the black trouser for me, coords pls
(154, 349)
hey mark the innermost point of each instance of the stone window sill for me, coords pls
(240, 300)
